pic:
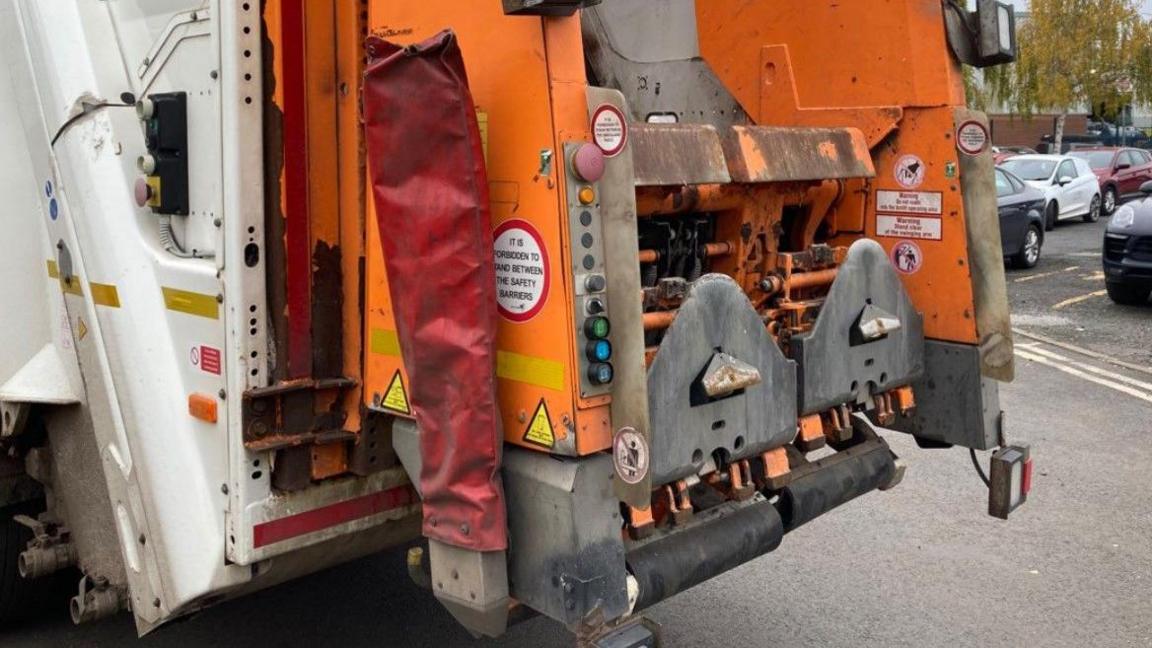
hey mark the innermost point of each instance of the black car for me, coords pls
(1128, 251)
(1021, 222)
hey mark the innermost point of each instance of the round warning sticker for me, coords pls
(910, 171)
(972, 138)
(610, 130)
(630, 454)
(907, 257)
(521, 270)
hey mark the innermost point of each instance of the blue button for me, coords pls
(53, 209)
(600, 350)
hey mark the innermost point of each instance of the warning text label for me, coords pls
(910, 202)
(909, 227)
(521, 271)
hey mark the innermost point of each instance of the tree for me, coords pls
(1074, 54)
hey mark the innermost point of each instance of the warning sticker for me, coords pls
(907, 257)
(630, 454)
(522, 275)
(910, 171)
(610, 130)
(207, 358)
(540, 427)
(396, 399)
(913, 227)
(910, 202)
(81, 328)
(972, 138)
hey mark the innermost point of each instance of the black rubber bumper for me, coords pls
(844, 478)
(675, 563)
(684, 559)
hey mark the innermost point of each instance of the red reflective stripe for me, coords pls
(1026, 478)
(297, 231)
(329, 516)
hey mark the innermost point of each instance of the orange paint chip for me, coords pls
(203, 407)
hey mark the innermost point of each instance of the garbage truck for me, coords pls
(584, 301)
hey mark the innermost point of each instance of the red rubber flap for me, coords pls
(431, 192)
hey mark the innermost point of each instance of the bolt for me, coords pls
(222, 394)
(218, 222)
(214, 74)
(464, 529)
(766, 285)
(224, 488)
(142, 539)
(259, 429)
(522, 416)
(219, 299)
(156, 602)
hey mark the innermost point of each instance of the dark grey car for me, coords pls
(1021, 220)
(1128, 251)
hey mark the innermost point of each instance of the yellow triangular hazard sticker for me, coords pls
(396, 399)
(540, 427)
(82, 327)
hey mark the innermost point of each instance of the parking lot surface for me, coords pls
(922, 565)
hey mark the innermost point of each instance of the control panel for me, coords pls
(164, 185)
(585, 166)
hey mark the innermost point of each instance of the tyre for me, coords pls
(1029, 254)
(1128, 295)
(1111, 201)
(1051, 213)
(1093, 214)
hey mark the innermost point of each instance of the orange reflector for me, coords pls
(203, 407)
(587, 196)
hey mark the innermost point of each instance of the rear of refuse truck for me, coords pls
(598, 299)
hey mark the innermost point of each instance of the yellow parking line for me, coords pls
(1044, 274)
(1077, 300)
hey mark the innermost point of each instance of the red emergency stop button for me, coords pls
(588, 163)
(143, 192)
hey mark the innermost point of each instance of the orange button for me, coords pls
(587, 195)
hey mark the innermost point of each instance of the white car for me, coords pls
(1070, 187)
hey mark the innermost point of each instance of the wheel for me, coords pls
(1029, 254)
(1051, 213)
(21, 598)
(1128, 295)
(1093, 214)
(1111, 200)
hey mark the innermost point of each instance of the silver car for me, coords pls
(1071, 189)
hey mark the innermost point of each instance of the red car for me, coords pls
(1121, 171)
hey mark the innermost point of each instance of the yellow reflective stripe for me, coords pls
(533, 371)
(193, 303)
(384, 342)
(104, 294)
(53, 269)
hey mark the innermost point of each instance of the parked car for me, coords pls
(1021, 210)
(1001, 153)
(1128, 252)
(1121, 172)
(1070, 187)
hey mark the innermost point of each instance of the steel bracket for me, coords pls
(295, 413)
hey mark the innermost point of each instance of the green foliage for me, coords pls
(1072, 53)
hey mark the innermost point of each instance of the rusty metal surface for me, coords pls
(373, 450)
(289, 414)
(677, 154)
(769, 154)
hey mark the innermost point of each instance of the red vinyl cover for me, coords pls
(430, 187)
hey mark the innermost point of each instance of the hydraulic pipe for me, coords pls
(812, 279)
(722, 248)
(659, 320)
(672, 564)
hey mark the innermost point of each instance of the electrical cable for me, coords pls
(128, 100)
(979, 469)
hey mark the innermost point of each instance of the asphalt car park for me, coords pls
(921, 565)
